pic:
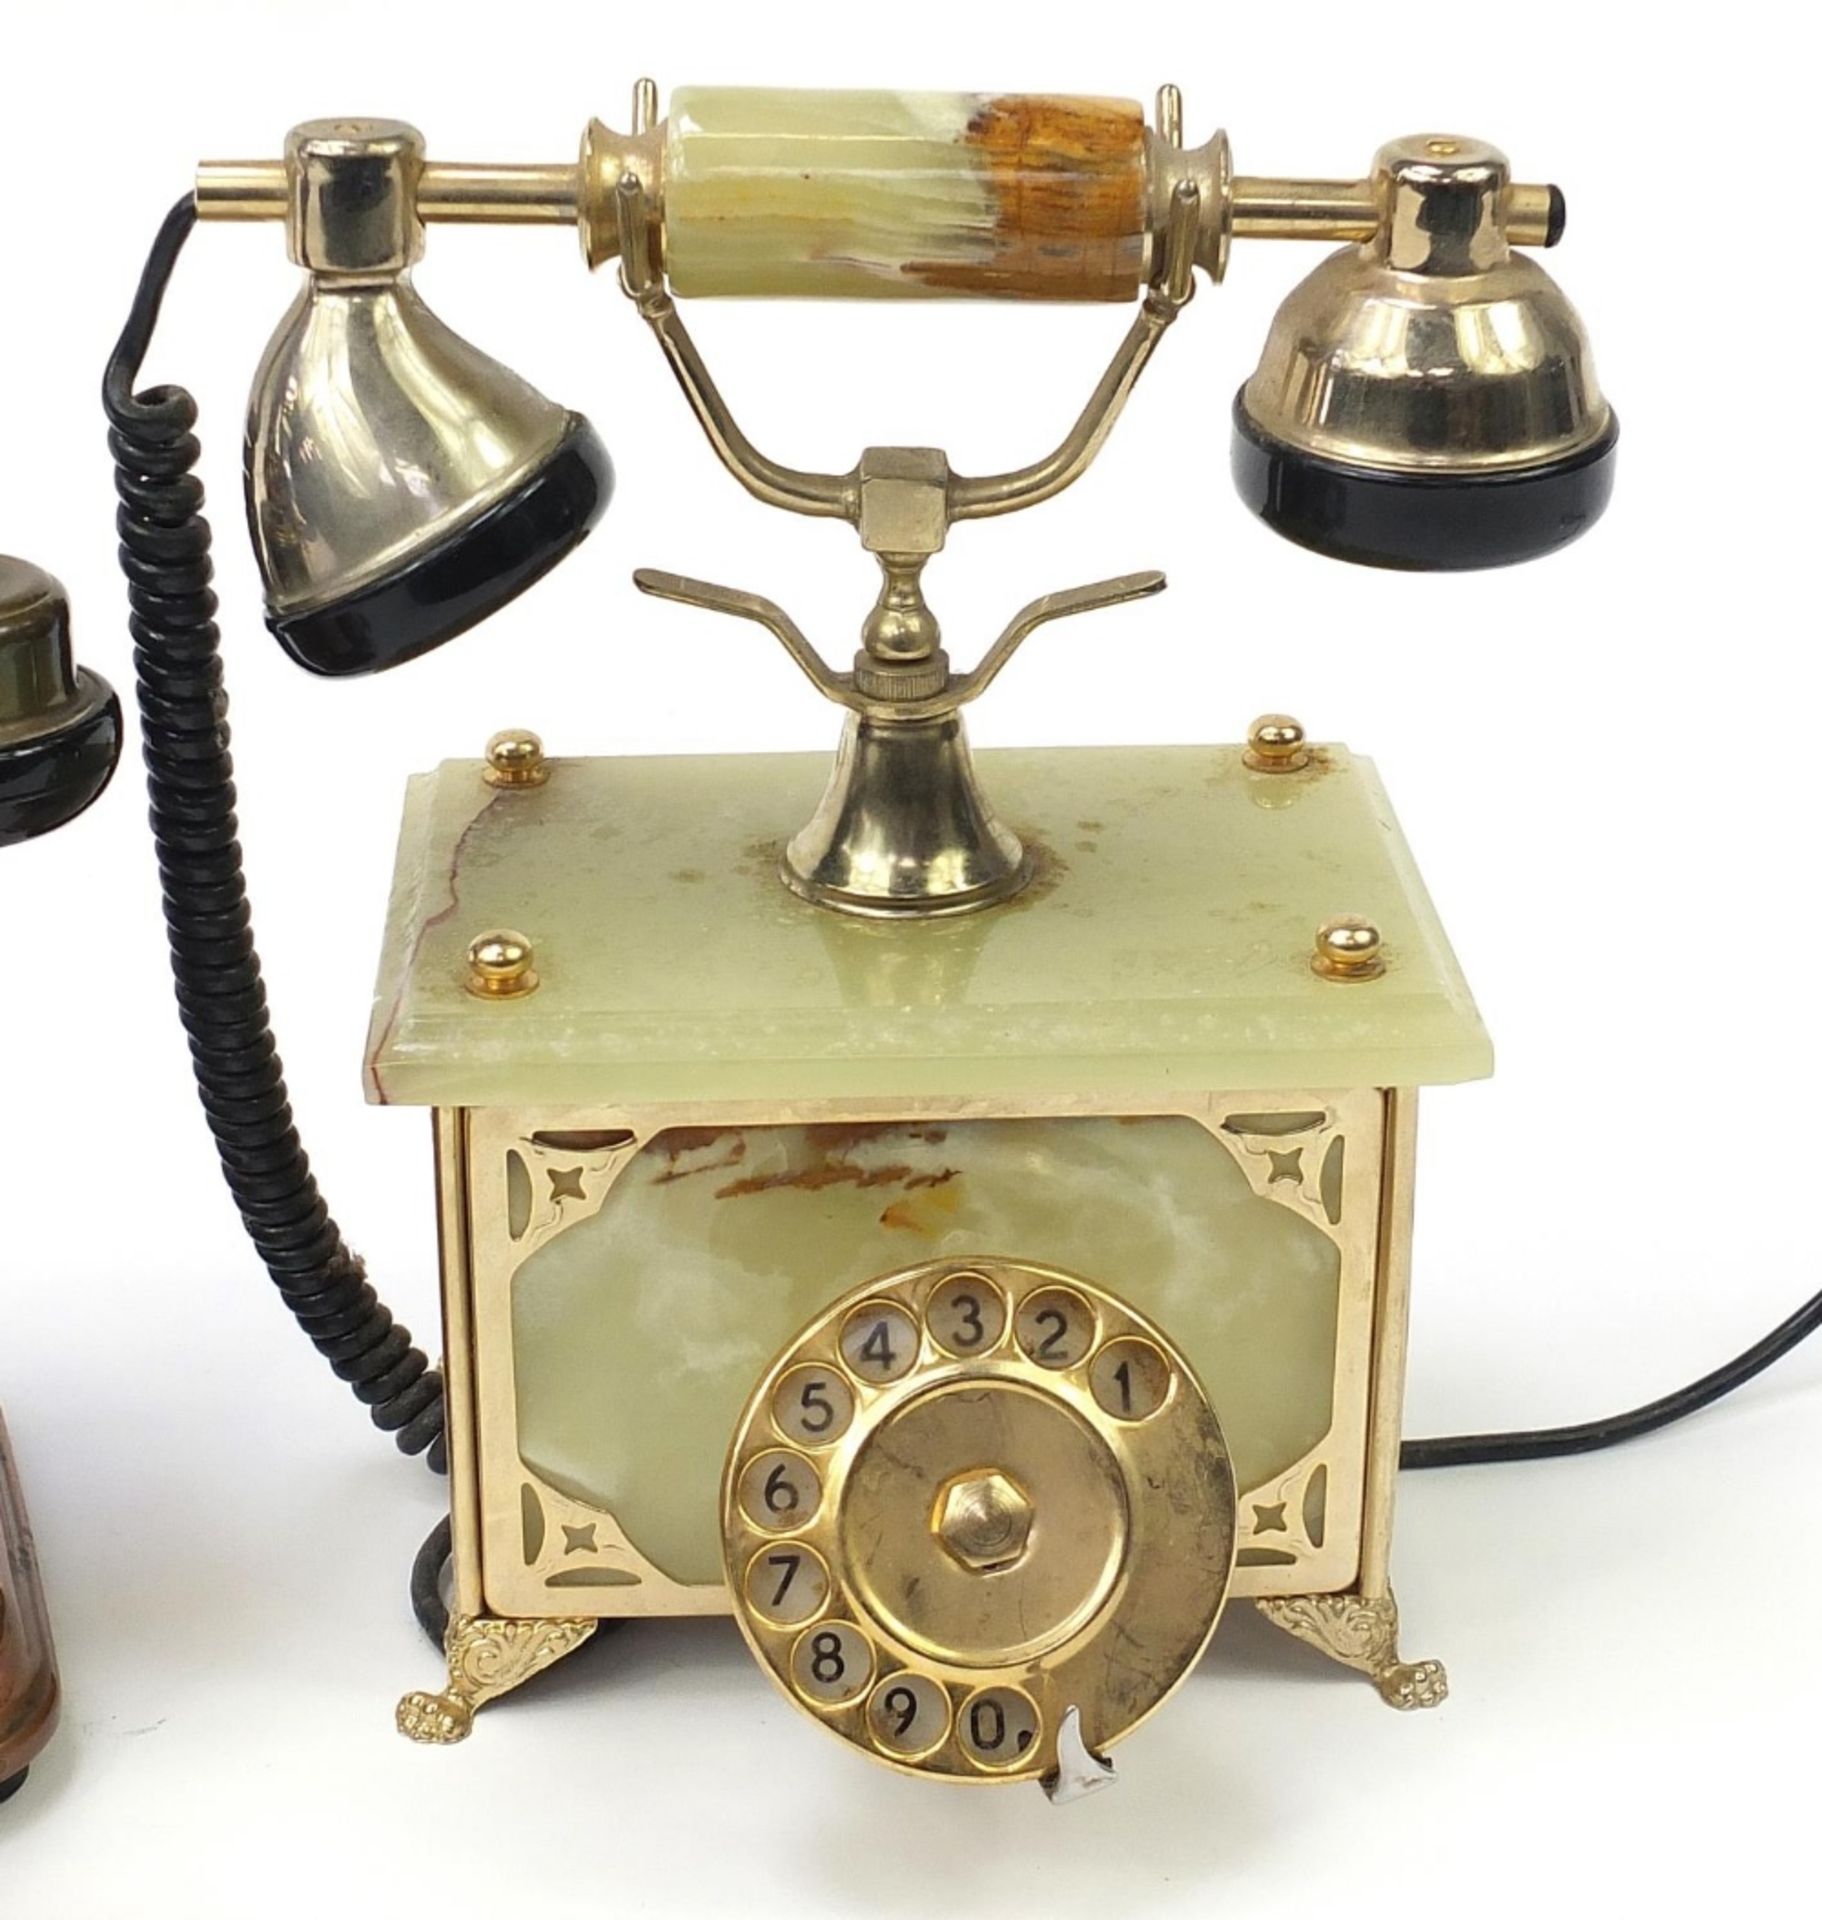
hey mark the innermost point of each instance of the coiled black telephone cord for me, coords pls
(183, 707)
(183, 715)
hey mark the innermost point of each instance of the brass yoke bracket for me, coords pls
(904, 829)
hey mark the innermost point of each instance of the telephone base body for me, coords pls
(722, 1107)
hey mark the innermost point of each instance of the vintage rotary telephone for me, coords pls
(955, 1220)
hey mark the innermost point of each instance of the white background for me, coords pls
(1603, 762)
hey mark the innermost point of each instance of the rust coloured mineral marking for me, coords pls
(833, 1173)
(676, 1144)
(425, 928)
(829, 1162)
(929, 1210)
(1067, 182)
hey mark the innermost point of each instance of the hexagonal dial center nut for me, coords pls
(984, 1519)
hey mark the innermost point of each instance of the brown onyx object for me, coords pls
(902, 195)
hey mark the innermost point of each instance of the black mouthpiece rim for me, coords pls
(462, 578)
(1421, 522)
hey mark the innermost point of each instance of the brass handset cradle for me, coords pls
(904, 827)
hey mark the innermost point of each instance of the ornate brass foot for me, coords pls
(487, 1657)
(1362, 1634)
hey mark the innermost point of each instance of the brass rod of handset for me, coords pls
(456, 193)
(553, 194)
(580, 193)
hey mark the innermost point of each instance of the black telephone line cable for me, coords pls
(1590, 1436)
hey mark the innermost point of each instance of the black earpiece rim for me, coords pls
(47, 781)
(1421, 522)
(464, 577)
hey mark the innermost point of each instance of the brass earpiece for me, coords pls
(1426, 398)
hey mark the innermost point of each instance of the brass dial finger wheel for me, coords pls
(967, 1498)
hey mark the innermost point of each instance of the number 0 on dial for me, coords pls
(996, 1727)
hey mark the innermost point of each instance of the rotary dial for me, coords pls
(969, 1497)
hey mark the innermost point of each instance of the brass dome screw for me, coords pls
(500, 965)
(515, 758)
(1348, 948)
(1275, 744)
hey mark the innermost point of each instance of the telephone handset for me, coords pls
(1015, 1159)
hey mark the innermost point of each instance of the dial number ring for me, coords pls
(1013, 1498)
